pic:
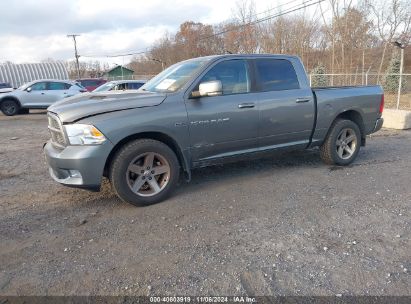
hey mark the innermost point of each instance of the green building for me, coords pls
(119, 72)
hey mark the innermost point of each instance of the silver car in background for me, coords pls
(39, 94)
(120, 85)
(5, 87)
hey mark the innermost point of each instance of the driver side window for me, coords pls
(233, 75)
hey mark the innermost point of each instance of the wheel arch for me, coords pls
(356, 117)
(8, 97)
(159, 136)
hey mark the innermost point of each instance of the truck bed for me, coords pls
(331, 101)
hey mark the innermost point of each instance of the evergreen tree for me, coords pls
(319, 79)
(391, 78)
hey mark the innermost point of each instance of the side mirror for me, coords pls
(28, 89)
(211, 88)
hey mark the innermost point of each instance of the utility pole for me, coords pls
(400, 80)
(401, 46)
(160, 61)
(363, 64)
(76, 55)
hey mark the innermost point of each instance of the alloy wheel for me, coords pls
(346, 143)
(9, 107)
(148, 174)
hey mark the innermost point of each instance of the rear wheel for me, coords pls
(144, 172)
(10, 107)
(342, 144)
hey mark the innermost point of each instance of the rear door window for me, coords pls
(53, 86)
(275, 75)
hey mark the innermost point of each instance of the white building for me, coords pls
(19, 74)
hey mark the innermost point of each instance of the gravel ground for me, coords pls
(285, 225)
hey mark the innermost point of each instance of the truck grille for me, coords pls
(56, 130)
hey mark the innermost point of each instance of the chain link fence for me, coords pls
(335, 80)
(390, 83)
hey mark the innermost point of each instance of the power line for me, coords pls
(139, 52)
(142, 51)
(289, 10)
(278, 7)
(129, 54)
(303, 5)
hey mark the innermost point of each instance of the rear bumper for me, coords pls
(77, 166)
(378, 124)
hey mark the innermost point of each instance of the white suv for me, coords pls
(39, 94)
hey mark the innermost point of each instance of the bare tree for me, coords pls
(93, 69)
(244, 16)
(392, 18)
(347, 41)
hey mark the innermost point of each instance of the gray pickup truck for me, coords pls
(202, 112)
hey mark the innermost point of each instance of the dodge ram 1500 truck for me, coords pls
(201, 112)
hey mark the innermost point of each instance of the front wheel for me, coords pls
(10, 107)
(144, 172)
(342, 144)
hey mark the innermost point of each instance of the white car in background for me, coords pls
(39, 94)
(5, 87)
(120, 85)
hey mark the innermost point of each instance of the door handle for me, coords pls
(301, 100)
(246, 105)
(42, 93)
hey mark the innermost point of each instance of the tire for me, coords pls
(141, 165)
(10, 107)
(342, 144)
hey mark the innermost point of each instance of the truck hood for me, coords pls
(89, 104)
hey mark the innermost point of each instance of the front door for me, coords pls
(36, 95)
(224, 125)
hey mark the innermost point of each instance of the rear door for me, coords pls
(286, 108)
(57, 90)
(224, 125)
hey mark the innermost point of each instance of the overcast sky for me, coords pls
(33, 30)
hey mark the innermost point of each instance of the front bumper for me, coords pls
(77, 166)
(378, 124)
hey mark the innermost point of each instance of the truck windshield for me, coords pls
(174, 77)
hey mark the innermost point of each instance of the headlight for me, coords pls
(79, 134)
